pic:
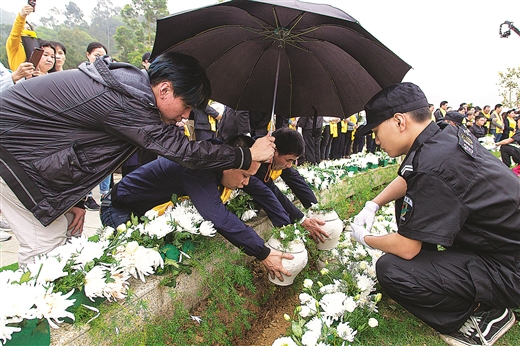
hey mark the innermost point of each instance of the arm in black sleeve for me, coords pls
(201, 186)
(299, 187)
(262, 195)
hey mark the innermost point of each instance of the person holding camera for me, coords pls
(22, 39)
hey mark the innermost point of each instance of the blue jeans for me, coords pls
(104, 186)
(111, 216)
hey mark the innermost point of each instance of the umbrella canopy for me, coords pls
(297, 56)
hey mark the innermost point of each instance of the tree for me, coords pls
(140, 17)
(105, 20)
(74, 16)
(509, 87)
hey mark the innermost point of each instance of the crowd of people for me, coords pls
(454, 262)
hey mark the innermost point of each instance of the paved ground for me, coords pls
(9, 249)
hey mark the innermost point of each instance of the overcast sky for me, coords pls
(453, 46)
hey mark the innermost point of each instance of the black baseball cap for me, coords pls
(397, 98)
(454, 116)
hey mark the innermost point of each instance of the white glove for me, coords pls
(359, 233)
(367, 215)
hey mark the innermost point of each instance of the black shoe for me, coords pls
(467, 335)
(90, 204)
(494, 323)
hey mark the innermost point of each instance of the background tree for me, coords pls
(141, 19)
(74, 16)
(509, 87)
(105, 20)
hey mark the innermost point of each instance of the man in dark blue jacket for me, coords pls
(289, 146)
(155, 182)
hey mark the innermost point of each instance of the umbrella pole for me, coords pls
(273, 125)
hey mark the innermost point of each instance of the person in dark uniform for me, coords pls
(154, 183)
(311, 130)
(233, 123)
(205, 122)
(290, 146)
(455, 259)
(510, 148)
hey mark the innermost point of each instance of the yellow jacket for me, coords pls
(14, 47)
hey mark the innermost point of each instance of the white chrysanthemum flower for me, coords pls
(18, 300)
(349, 304)
(314, 325)
(47, 269)
(117, 287)
(6, 332)
(89, 252)
(307, 283)
(131, 247)
(207, 228)
(346, 332)
(8, 276)
(95, 282)
(308, 310)
(332, 304)
(106, 232)
(248, 215)
(290, 197)
(364, 283)
(285, 341)
(158, 227)
(53, 306)
(121, 228)
(281, 185)
(372, 322)
(140, 263)
(152, 214)
(310, 338)
(305, 298)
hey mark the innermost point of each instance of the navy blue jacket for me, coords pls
(155, 182)
(296, 183)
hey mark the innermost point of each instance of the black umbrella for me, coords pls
(283, 56)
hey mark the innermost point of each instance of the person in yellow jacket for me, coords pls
(22, 39)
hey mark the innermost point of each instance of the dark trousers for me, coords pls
(338, 143)
(326, 141)
(507, 152)
(359, 143)
(312, 146)
(371, 144)
(111, 216)
(347, 148)
(443, 288)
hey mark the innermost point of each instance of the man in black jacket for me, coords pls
(63, 133)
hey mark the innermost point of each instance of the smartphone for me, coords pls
(36, 56)
(32, 3)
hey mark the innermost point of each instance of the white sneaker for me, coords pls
(4, 236)
(4, 225)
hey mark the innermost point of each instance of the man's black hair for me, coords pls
(289, 142)
(188, 78)
(240, 141)
(420, 114)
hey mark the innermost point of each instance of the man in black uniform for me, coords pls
(454, 261)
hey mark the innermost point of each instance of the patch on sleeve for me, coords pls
(467, 143)
(406, 210)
